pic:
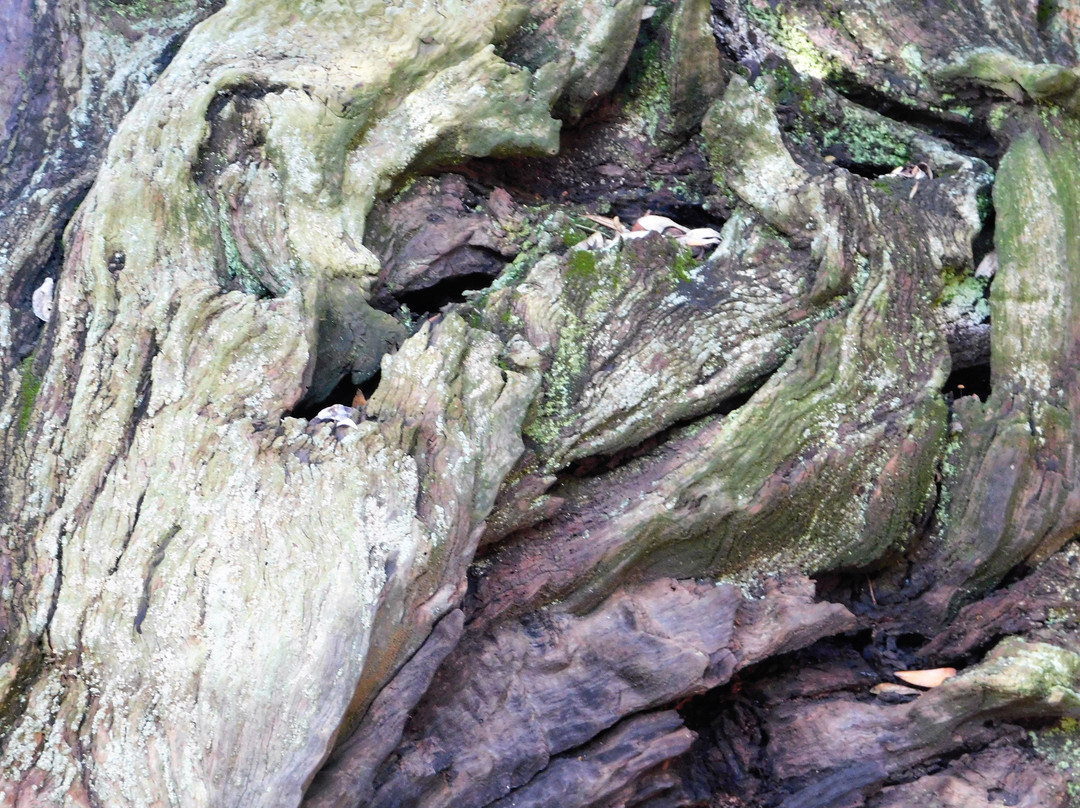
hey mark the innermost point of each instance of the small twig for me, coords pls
(870, 584)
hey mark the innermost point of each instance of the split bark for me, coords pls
(583, 506)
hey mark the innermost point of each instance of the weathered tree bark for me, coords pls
(364, 461)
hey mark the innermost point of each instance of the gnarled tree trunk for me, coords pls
(356, 454)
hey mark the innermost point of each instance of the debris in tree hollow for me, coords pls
(42, 301)
(339, 414)
(659, 224)
(889, 691)
(927, 678)
(917, 171)
(610, 224)
(988, 267)
(650, 223)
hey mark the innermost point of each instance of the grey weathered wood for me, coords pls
(563, 552)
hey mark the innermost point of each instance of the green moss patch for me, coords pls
(581, 266)
(28, 391)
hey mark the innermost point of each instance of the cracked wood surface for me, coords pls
(580, 509)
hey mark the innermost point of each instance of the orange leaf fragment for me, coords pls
(927, 678)
(610, 224)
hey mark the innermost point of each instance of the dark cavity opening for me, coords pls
(973, 137)
(872, 171)
(684, 213)
(344, 393)
(168, 53)
(983, 244)
(367, 388)
(449, 291)
(1045, 11)
(27, 330)
(910, 641)
(973, 381)
(227, 130)
(595, 465)
(887, 652)
(729, 405)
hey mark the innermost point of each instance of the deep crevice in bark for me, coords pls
(345, 393)
(598, 465)
(127, 539)
(972, 137)
(628, 189)
(432, 300)
(213, 153)
(983, 244)
(55, 597)
(970, 381)
(29, 329)
(172, 47)
(147, 589)
(734, 752)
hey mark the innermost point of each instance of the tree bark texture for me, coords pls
(367, 458)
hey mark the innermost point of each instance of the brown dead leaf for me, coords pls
(928, 678)
(610, 224)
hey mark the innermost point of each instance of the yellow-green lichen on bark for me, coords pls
(1031, 293)
(1015, 76)
(316, 109)
(584, 43)
(832, 462)
(28, 390)
(694, 75)
(1019, 447)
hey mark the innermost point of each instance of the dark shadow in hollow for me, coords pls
(972, 381)
(432, 300)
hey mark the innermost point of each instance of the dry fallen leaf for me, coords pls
(658, 224)
(647, 12)
(916, 172)
(42, 300)
(697, 237)
(700, 237)
(610, 224)
(339, 414)
(988, 267)
(927, 678)
(594, 241)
